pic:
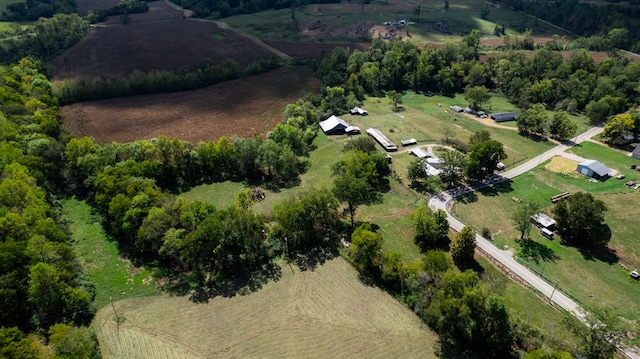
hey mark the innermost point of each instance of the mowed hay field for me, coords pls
(243, 107)
(326, 313)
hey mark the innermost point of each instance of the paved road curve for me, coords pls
(444, 201)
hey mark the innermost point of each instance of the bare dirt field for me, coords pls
(83, 6)
(301, 50)
(118, 50)
(325, 313)
(241, 107)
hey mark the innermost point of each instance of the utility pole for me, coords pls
(554, 290)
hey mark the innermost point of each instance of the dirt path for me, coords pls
(257, 41)
(187, 12)
(488, 122)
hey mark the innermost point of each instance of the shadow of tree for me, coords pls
(469, 265)
(242, 281)
(602, 251)
(314, 257)
(496, 189)
(467, 198)
(535, 251)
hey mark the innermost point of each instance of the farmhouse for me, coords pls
(382, 139)
(358, 111)
(541, 220)
(593, 169)
(636, 152)
(334, 125)
(419, 152)
(503, 116)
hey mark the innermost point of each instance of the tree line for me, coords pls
(158, 81)
(587, 19)
(44, 40)
(42, 289)
(124, 7)
(574, 85)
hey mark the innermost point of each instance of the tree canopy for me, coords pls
(580, 220)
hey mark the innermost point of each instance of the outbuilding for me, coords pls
(352, 130)
(636, 152)
(456, 108)
(541, 220)
(382, 139)
(419, 152)
(334, 125)
(358, 111)
(503, 116)
(594, 169)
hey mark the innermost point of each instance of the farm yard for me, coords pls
(325, 313)
(598, 278)
(199, 115)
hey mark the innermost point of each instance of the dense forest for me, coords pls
(586, 19)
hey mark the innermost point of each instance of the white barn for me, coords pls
(334, 125)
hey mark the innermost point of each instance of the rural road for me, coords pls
(444, 201)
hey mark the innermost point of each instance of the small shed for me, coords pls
(543, 221)
(352, 130)
(435, 162)
(430, 170)
(636, 152)
(334, 125)
(503, 116)
(594, 169)
(408, 142)
(419, 152)
(456, 108)
(358, 111)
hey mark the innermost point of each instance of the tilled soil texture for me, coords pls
(117, 50)
(244, 107)
(304, 50)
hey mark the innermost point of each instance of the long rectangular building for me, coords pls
(382, 139)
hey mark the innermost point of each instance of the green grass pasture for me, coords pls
(339, 20)
(591, 278)
(524, 306)
(100, 259)
(325, 313)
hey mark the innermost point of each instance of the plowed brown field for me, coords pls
(241, 107)
(118, 50)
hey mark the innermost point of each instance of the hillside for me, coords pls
(326, 313)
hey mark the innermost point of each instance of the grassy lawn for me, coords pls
(524, 306)
(592, 279)
(100, 258)
(421, 118)
(325, 313)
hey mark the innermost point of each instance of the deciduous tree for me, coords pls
(580, 220)
(561, 126)
(365, 248)
(477, 96)
(521, 217)
(463, 245)
(482, 159)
